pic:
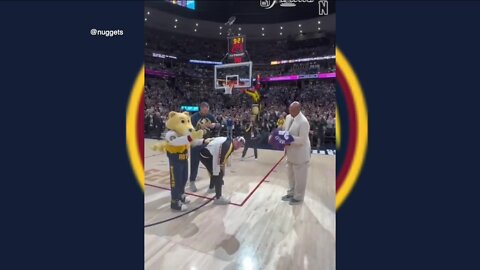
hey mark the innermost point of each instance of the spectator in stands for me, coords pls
(322, 125)
(229, 124)
(330, 125)
(280, 122)
(146, 121)
(158, 124)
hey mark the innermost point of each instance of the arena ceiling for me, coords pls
(209, 17)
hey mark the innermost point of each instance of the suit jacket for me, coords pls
(299, 151)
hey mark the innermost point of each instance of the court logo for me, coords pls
(267, 4)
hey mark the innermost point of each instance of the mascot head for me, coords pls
(180, 123)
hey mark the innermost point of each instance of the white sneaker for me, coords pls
(184, 207)
(211, 190)
(185, 200)
(256, 158)
(193, 187)
(221, 201)
(242, 159)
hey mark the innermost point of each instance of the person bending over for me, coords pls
(214, 156)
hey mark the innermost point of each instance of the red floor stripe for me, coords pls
(268, 174)
(236, 204)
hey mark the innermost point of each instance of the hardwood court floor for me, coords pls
(256, 231)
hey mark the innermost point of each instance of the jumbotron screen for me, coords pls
(190, 4)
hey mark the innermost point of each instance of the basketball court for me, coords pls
(257, 230)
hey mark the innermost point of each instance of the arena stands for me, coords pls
(193, 83)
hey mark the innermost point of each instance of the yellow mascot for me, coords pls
(256, 107)
(179, 137)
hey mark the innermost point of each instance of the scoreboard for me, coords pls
(237, 49)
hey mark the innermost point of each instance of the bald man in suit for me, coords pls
(298, 153)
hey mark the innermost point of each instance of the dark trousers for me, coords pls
(248, 144)
(146, 127)
(229, 132)
(178, 174)
(195, 161)
(215, 181)
(321, 139)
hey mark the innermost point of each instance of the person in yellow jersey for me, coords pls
(280, 122)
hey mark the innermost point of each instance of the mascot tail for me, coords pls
(159, 147)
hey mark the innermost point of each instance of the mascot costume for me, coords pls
(179, 137)
(254, 94)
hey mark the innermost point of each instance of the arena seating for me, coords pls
(193, 83)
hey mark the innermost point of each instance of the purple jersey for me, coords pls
(279, 138)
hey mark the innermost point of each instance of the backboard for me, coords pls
(238, 73)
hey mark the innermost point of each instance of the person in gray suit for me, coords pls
(298, 153)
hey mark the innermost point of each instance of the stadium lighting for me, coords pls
(300, 31)
(263, 34)
(239, 29)
(176, 20)
(319, 28)
(318, 22)
(220, 33)
(148, 12)
(196, 24)
(145, 19)
(299, 25)
(281, 33)
(263, 28)
(195, 30)
(174, 26)
(220, 27)
(281, 27)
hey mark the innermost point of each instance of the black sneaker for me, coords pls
(287, 198)
(178, 206)
(294, 202)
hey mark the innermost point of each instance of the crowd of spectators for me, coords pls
(193, 84)
(317, 98)
(261, 53)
